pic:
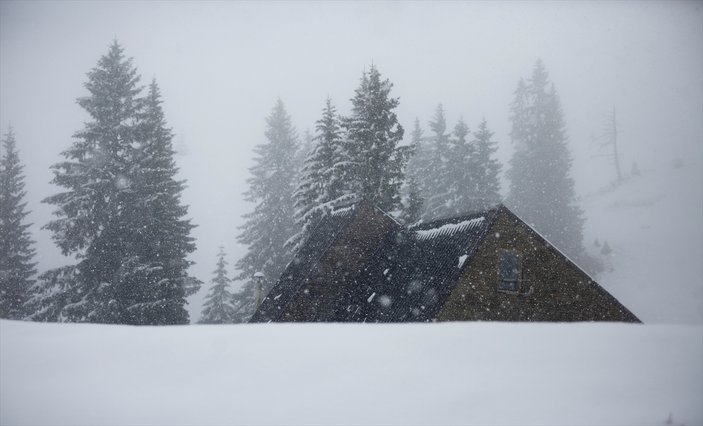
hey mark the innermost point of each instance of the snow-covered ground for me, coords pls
(442, 373)
(654, 225)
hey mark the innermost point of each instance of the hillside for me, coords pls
(654, 225)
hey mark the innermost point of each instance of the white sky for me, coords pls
(221, 66)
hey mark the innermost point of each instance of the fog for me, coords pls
(222, 65)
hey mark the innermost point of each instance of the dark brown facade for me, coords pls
(359, 265)
(550, 287)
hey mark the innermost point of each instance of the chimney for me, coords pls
(258, 289)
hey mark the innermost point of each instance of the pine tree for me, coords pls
(16, 252)
(486, 169)
(120, 215)
(321, 184)
(374, 171)
(439, 181)
(218, 307)
(541, 189)
(271, 224)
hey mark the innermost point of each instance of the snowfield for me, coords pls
(441, 373)
(654, 225)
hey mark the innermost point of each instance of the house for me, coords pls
(360, 265)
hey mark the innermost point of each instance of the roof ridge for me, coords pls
(455, 219)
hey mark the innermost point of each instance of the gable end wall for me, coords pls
(551, 288)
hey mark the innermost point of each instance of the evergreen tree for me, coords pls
(16, 252)
(414, 203)
(541, 189)
(321, 184)
(415, 174)
(439, 180)
(120, 215)
(374, 170)
(304, 151)
(218, 307)
(163, 240)
(486, 169)
(460, 173)
(419, 159)
(272, 223)
(55, 292)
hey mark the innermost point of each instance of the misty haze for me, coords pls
(508, 196)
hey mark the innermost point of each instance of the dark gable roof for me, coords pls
(306, 260)
(414, 270)
(407, 279)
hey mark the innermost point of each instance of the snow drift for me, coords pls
(440, 373)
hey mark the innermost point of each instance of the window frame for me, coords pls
(513, 285)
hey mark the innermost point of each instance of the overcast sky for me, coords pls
(221, 66)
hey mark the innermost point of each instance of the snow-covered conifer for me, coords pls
(374, 170)
(414, 203)
(120, 214)
(541, 188)
(218, 307)
(439, 181)
(16, 251)
(415, 175)
(271, 224)
(486, 169)
(54, 293)
(459, 174)
(162, 241)
(322, 183)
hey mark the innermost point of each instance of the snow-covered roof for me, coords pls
(414, 270)
(448, 229)
(381, 271)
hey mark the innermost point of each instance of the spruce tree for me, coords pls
(418, 161)
(541, 188)
(414, 203)
(460, 181)
(218, 307)
(439, 179)
(271, 224)
(486, 169)
(415, 175)
(120, 214)
(56, 292)
(16, 251)
(374, 170)
(321, 184)
(163, 240)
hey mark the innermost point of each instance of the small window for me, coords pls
(508, 272)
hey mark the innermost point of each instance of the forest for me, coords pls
(120, 216)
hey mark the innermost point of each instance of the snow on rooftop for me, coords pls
(343, 211)
(462, 259)
(448, 229)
